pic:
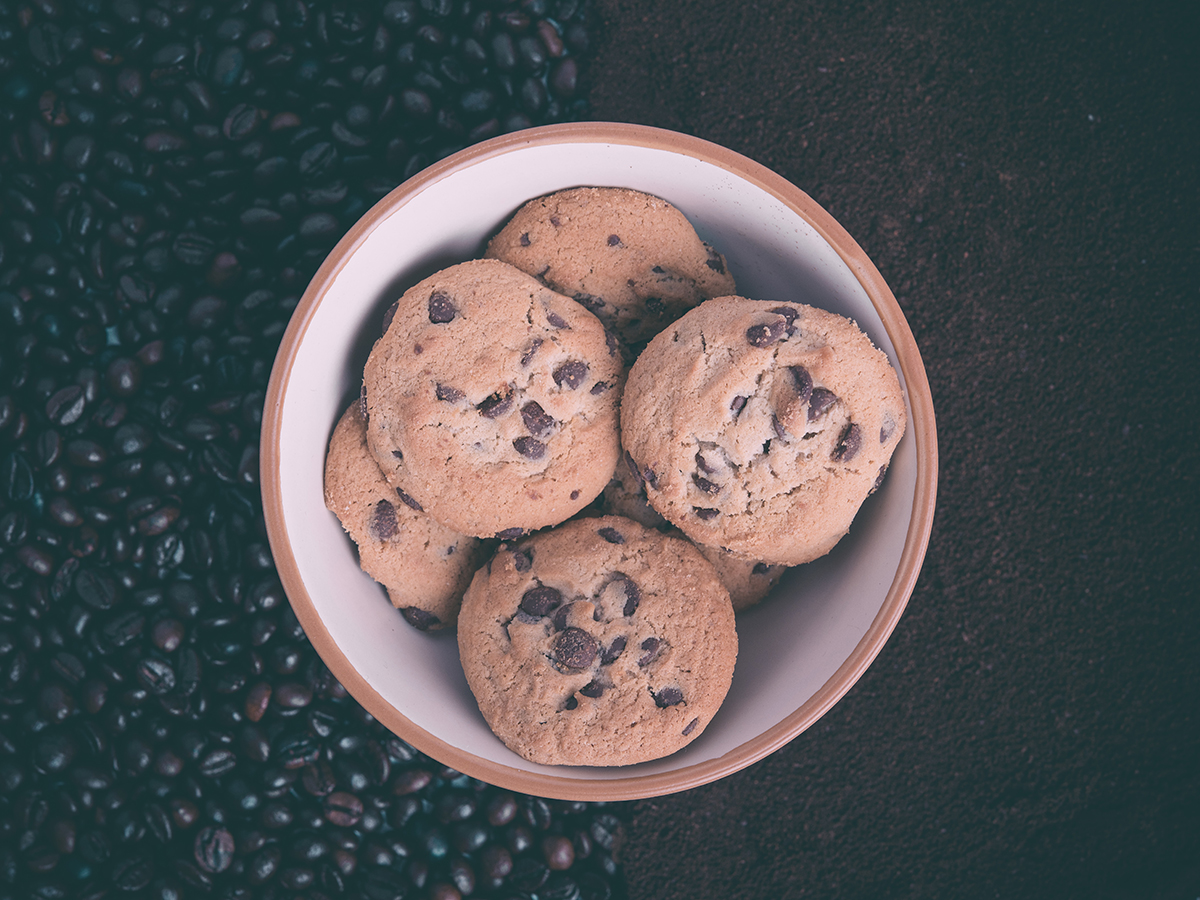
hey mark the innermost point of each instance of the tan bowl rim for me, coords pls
(923, 430)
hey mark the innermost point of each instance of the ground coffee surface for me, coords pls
(1024, 176)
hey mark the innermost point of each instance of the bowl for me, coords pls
(801, 649)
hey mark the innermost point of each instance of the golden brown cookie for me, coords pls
(424, 566)
(631, 258)
(761, 427)
(597, 643)
(492, 401)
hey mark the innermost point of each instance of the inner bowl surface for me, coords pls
(800, 650)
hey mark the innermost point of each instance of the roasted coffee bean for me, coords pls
(140, 310)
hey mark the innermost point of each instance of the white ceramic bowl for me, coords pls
(800, 650)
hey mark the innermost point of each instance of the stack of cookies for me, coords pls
(586, 452)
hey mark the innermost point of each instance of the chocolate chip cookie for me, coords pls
(492, 401)
(761, 427)
(631, 258)
(597, 643)
(424, 566)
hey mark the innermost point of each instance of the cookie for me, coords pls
(424, 566)
(597, 643)
(631, 258)
(748, 581)
(761, 427)
(492, 401)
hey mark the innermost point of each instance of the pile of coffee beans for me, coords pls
(172, 172)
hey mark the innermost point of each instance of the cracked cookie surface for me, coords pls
(599, 642)
(630, 257)
(492, 401)
(761, 426)
(425, 567)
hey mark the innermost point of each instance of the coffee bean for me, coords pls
(343, 809)
(213, 849)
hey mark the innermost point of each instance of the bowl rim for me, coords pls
(922, 428)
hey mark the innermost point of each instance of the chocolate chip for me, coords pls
(592, 689)
(571, 374)
(537, 420)
(802, 381)
(509, 534)
(650, 477)
(419, 618)
(787, 312)
(448, 394)
(441, 308)
(778, 426)
(541, 600)
(768, 333)
(574, 648)
(887, 429)
(703, 465)
(574, 495)
(522, 560)
(848, 445)
(527, 356)
(561, 616)
(668, 696)
(556, 320)
(362, 402)
(409, 501)
(390, 314)
(398, 454)
(383, 520)
(691, 726)
(588, 301)
(497, 404)
(704, 513)
(704, 484)
(530, 448)
(599, 388)
(609, 655)
(715, 262)
(613, 343)
(614, 241)
(524, 239)
(611, 535)
(819, 402)
(737, 405)
(633, 596)
(879, 478)
(651, 649)
(555, 221)
(571, 703)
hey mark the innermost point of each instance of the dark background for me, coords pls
(1023, 174)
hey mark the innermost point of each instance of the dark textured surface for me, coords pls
(1024, 176)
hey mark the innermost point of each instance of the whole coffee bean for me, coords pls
(213, 849)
